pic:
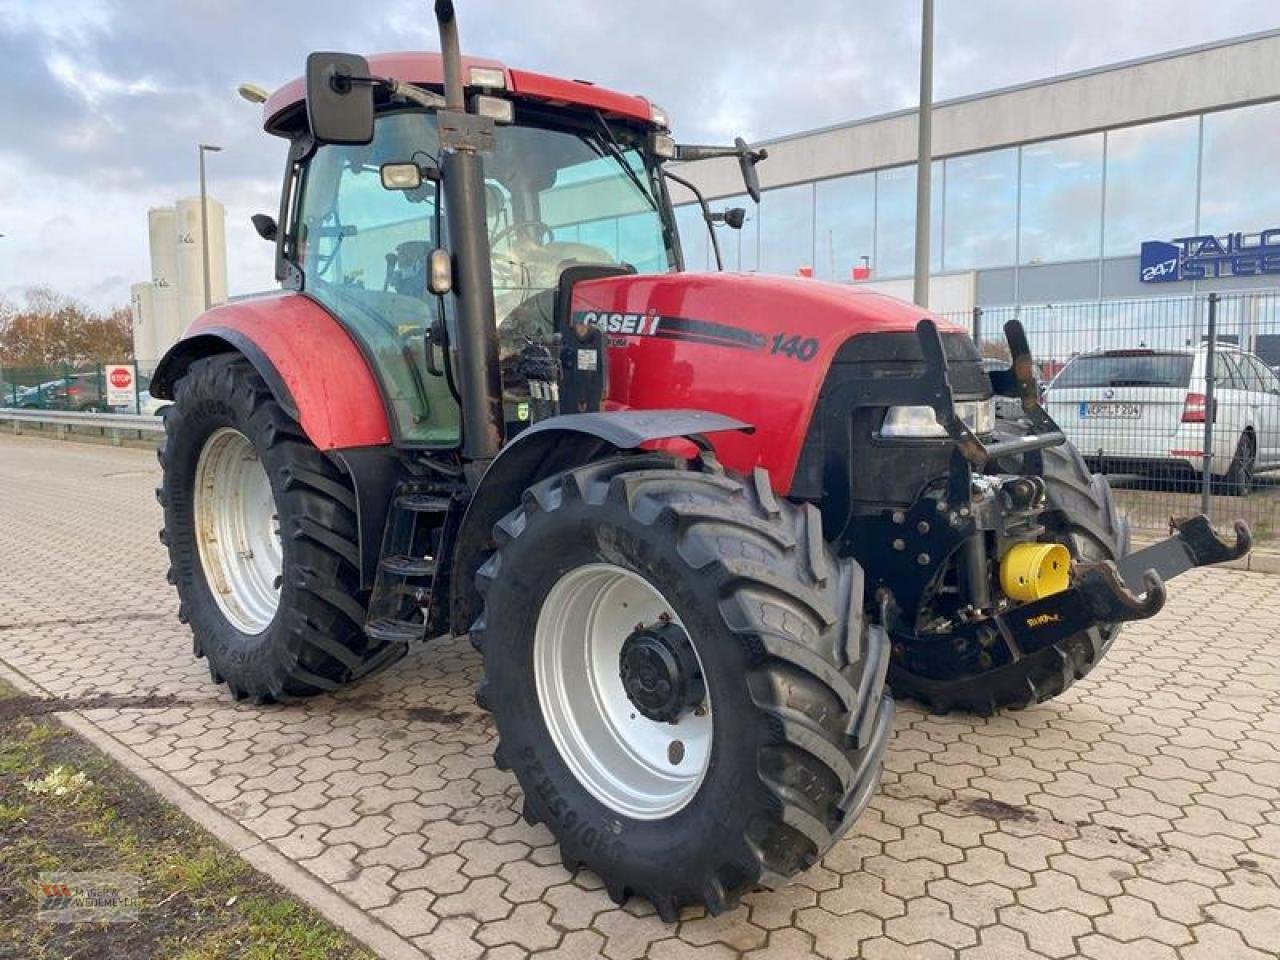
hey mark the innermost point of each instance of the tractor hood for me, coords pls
(753, 347)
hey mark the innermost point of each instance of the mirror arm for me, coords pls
(706, 214)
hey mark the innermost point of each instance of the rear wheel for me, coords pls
(261, 531)
(681, 678)
(1082, 516)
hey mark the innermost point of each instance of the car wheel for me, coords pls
(1238, 481)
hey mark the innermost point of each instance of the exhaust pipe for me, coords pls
(476, 347)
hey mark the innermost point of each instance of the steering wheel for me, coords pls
(543, 236)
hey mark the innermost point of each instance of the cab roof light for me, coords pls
(659, 117)
(495, 108)
(489, 78)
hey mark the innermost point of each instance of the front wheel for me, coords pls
(681, 678)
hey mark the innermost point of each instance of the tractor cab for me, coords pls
(570, 179)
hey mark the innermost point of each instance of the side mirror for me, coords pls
(265, 225)
(339, 98)
(735, 217)
(747, 160)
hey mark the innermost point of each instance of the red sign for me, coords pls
(121, 378)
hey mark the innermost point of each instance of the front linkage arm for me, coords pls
(1101, 592)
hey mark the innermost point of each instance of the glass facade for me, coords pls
(1151, 184)
(1061, 204)
(844, 225)
(1042, 213)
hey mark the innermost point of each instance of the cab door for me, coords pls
(362, 250)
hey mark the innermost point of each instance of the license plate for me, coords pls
(1110, 411)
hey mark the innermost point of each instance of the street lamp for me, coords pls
(204, 220)
(924, 156)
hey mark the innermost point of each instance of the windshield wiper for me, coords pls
(611, 146)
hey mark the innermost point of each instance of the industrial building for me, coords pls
(164, 306)
(1148, 178)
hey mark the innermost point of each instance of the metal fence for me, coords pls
(1177, 399)
(80, 389)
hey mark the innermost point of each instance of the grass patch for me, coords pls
(65, 807)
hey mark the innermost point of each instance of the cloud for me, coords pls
(106, 99)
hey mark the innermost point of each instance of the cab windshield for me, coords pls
(555, 196)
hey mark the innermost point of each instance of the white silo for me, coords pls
(142, 306)
(166, 324)
(190, 258)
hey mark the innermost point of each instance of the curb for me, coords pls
(258, 853)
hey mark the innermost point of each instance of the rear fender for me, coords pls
(312, 366)
(549, 447)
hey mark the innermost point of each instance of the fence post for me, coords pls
(1210, 410)
(977, 326)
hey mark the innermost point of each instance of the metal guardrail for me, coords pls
(111, 425)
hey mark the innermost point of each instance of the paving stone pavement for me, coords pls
(1138, 816)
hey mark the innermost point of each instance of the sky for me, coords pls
(104, 101)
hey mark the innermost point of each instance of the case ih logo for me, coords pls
(672, 328)
(1208, 256)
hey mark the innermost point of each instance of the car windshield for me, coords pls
(1147, 369)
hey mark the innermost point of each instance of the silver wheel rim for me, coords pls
(237, 531)
(637, 767)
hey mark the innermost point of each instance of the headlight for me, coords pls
(978, 415)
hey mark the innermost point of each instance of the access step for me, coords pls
(422, 503)
(403, 566)
(386, 630)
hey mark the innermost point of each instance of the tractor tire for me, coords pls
(288, 619)
(1082, 516)
(749, 785)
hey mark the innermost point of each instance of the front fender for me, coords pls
(549, 447)
(311, 364)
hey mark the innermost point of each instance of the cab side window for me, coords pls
(354, 236)
(363, 250)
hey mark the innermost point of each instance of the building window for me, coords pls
(1061, 200)
(693, 237)
(896, 221)
(1151, 184)
(786, 229)
(845, 227)
(981, 210)
(1235, 193)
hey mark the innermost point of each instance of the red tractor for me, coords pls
(694, 523)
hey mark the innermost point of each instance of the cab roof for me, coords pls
(284, 112)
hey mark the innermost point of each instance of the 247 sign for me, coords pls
(1208, 256)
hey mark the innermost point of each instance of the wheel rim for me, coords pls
(237, 531)
(638, 767)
